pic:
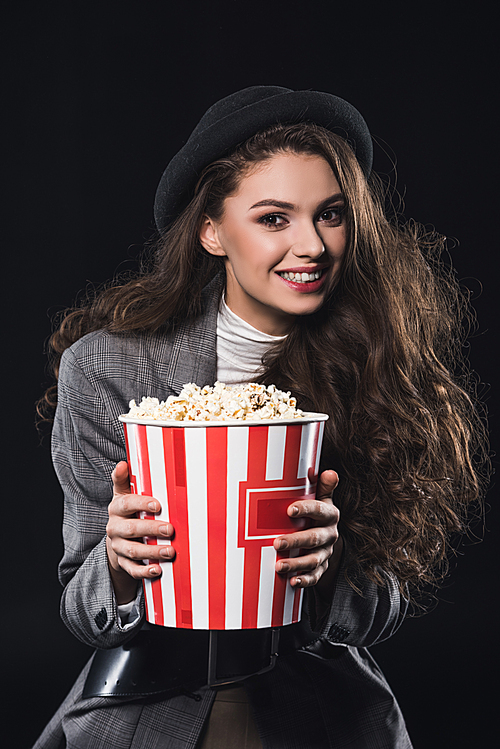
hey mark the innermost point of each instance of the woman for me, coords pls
(274, 263)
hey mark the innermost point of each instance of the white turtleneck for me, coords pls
(240, 347)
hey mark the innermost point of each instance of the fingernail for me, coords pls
(154, 570)
(282, 544)
(166, 551)
(298, 582)
(165, 530)
(152, 506)
(284, 567)
(294, 510)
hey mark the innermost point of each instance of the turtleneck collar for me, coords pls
(240, 347)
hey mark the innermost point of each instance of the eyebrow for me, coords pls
(291, 207)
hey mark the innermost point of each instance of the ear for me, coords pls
(209, 238)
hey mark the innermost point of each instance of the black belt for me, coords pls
(164, 659)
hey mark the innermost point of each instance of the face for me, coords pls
(282, 237)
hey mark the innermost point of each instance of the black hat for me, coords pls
(236, 118)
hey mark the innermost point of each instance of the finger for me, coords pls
(327, 483)
(322, 529)
(130, 552)
(121, 483)
(302, 564)
(140, 570)
(128, 527)
(323, 511)
(127, 505)
(307, 539)
(307, 579)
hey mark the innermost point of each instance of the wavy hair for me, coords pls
(383, 357)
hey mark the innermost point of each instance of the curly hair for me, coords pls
(383, 357)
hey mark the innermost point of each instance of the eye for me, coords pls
(332, 216)
(273, 220)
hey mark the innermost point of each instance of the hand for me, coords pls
(124, 533)
(317, 542)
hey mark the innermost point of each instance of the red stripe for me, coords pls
(296, 602)
(217, 521)
(251, 584)
(175, 468)
(292, 451)
(257, 449)
(290, 470)
(157, 601)
(141, 441)
(280, 585)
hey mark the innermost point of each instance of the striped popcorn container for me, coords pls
(225, 487)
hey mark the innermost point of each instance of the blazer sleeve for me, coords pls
(360, 617)
(86, 445)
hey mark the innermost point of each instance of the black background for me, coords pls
(99, 98)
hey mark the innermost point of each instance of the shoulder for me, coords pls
(119, 366)
(100, 350)
(156, 363)
(104, 343)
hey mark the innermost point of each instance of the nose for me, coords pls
(308, 242)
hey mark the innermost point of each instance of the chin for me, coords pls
(305, 309)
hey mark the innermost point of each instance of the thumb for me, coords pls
(121, 484)
(328, 481)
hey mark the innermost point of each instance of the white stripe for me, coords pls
(237, 457)
(157, 469)
(275, 452)
(301, 600)
(134, 463)
(321, 429)
(266, 586)
(307, 440)
(159, 492)
(148, 592)
(196, 472)
(134, 467)
(289, 595)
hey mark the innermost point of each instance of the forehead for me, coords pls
(290, 178)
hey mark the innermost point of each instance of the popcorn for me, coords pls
(250, 402)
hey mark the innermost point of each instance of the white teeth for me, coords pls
(301, 277)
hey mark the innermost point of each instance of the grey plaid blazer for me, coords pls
(305, 701)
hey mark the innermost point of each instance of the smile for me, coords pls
(301, 277)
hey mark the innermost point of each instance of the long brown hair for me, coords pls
(383, 357)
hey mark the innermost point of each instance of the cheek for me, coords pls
(258, 252)
(273, 246)
(335, 246)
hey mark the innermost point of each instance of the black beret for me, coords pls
(236, 118)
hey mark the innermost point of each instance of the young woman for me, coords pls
(274, 263)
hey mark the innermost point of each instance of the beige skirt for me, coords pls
(231, 723)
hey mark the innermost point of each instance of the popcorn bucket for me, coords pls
(225, 487)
